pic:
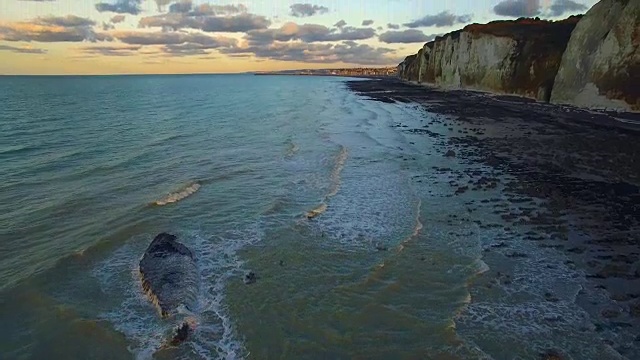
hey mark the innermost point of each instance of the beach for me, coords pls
(568, 182)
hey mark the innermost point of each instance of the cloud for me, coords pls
(340, 24)
(308, 33)
(120, 6)
(187, 7)
(367, 22)
(52, 29)
(111, 50)
(302, 10)
(39, 0)
(517, 8)
(118, 19)
(64, 21)
(162, 3)
(345, 52)
(442, 19)
(560, 7)
(393, 26)
(211, 23)
(173, 38)
(405, 37)
(22, 50)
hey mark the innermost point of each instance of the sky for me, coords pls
(207, 36)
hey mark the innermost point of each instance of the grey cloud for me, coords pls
(64, 21)
(405, 37)
(187, 7)
(173, 38)
(346, 52)
(162, 3)
(442, 19)
(367, 22)
(393, 26)
(560, 7)
(238, 23)
(340, 24)
(302, 10)
(308, 33)
(517, 8)
(380, 28)
(22, 50)
(183, 6)
(111, 50)
(120, 6)
(52, 29)
(107, 26)
(118, 19)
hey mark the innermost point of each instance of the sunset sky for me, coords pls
(200, 36)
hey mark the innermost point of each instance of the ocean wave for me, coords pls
(334, 183)
(317, 211)
(178, 195)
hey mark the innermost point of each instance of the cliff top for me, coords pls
(523, 26)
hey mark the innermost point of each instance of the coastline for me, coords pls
(568, 184)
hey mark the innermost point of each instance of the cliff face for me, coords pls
(515, 57)
(601, 66)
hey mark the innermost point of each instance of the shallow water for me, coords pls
(92, 168)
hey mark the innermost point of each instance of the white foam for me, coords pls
(178, 195)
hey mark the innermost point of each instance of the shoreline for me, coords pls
(569, 184)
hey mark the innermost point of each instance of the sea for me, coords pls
(321, 192)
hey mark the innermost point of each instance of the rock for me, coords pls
(170, 280)
(450, 153)
(601, 65)
(551, 355)
(250, 278)
(169, 275)
(610, 313)
(381, 247)
(634, 308)
(181, 333)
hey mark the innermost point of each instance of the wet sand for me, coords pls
(568, 177)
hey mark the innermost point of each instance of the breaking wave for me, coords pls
(178, 195)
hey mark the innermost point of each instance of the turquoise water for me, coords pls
(92, 168)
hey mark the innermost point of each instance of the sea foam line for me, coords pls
(178, 195)
(335, 179)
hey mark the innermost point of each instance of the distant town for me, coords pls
(352, 72)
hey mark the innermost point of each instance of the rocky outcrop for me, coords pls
(170, 279)
(601, 65)
(515, 57)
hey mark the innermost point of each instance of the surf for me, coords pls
(181, 194)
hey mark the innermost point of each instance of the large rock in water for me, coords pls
(169, 275)
(513, 57)
(601, 66)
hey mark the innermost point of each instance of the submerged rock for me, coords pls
(250, 278)
(170, 279)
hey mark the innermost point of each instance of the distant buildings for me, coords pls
(385, 71)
